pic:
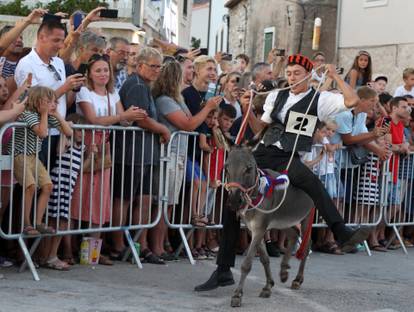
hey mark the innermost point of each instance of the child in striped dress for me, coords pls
(64, 176)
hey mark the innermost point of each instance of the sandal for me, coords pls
(199, 221)
(44, 229)
(30, 231)
(168, 248)
(69, 260)
(408, 243)
(168, 257)
(378, 248)
(331, 248)
(57, 264)
(116, 255)
(149, 257)
(104, 260)
(201, 254)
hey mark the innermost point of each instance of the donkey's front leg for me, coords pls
(246, 267)
(264, 259)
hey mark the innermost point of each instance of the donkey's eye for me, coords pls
(248, 169)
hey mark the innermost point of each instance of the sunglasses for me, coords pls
(53, 70)
(362, 52)
(97, 57)
(153, 66)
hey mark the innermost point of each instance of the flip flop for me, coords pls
(149, 257)
(378, 248)
(57, 264)
(44, 229)
(30, 231)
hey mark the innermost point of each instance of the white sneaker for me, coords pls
(5, 263)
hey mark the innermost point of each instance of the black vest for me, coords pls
(286, 132)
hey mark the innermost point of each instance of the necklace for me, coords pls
(202, 98)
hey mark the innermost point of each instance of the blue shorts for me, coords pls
(393, 193)
(193, 173)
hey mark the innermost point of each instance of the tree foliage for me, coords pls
(195, 43)
(17, 7)
(70, 6)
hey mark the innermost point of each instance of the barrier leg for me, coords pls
(186, 246)
(128, 251)
(32, 251)
(132, 248)
(397, 233)
(28, 258)
(367, 248)
(180, 248)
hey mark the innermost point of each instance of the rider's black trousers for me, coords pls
(300, 176)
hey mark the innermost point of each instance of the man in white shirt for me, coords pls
(48, 70)
(284, 117)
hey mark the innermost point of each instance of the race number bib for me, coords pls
(299, 123)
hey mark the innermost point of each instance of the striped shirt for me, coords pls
(8, 68)
(30, 143)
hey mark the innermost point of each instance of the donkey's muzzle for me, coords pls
(234, 199)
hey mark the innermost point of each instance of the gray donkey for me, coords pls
(242, 177)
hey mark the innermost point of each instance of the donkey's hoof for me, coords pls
(265, 293)
(284, 275)
(236, 302)
(296, 284)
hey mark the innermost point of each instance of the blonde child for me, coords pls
(40, 113)
(322, 161)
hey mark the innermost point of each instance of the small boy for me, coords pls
(40, 113)
(380, 84)
(407, 87)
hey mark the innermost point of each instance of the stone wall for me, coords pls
(388, 60)
(273, 13)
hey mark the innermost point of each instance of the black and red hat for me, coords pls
(298, 59)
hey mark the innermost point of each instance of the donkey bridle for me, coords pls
(246, 192)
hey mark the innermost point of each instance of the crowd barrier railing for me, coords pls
(103, 181)
(191, 198)
(398, 195)
(122, 195)
(356, 189)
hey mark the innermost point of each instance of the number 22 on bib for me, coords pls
(301, 124)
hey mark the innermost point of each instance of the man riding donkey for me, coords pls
(284, 118)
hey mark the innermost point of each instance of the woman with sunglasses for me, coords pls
(361, 71)
(100, 104)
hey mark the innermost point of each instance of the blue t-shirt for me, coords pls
(348, 123)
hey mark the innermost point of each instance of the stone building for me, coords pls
(383, 28)
(258, 26)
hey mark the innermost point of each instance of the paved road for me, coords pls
(382, 283)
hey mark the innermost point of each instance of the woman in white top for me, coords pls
(99, 103)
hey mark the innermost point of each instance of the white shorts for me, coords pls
(175, 169)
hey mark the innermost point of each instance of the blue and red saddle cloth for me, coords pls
(267, 185)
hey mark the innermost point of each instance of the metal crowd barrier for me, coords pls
(356, 190)
(185, 194)
(398, 194)
(187, 175)
(91, 208)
